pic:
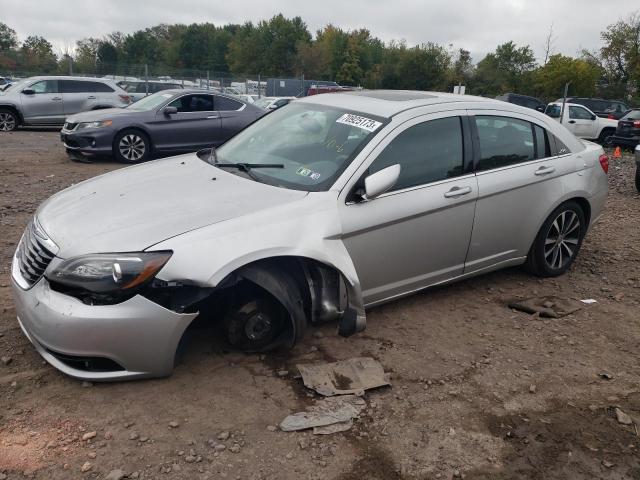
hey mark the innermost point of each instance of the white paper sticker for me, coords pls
(358, 121)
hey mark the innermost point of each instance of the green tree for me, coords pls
(509, 68)
(551, 78)
(86, 55)
(8, 38)
(37, 54)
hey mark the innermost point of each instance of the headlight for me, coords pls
(107, 278)
(103, 123)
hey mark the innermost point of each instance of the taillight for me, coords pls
(611, 117)
(636, 124)
(604, 163)
(125, 98)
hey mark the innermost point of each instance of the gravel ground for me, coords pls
(478, 391)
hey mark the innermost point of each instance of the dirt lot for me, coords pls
(479, 391)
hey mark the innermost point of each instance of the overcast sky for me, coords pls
(477, 25)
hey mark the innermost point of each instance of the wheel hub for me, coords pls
(257, 326)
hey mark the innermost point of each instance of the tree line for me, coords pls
(284, 47)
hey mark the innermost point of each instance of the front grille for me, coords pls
(70, 126)
(32, 255)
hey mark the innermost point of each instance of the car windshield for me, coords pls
(17, 85)
(151, 102)
(263, 102)
(313, 143)
(632, 115)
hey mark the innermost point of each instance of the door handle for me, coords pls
(545, 170)
(213, 116)
(456, 192)
(56, 99)
(572, 121)
(91, 97)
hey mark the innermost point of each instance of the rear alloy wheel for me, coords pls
(131, 146)
(558, 242)
(8, 120)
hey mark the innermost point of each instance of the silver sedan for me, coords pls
(319, 210)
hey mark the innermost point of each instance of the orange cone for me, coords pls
(616, 153)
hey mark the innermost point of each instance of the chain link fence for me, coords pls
(146, 78)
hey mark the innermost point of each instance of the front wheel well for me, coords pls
(15, 111)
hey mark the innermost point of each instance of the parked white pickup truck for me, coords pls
(582, 122)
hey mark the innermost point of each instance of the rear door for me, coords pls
(45, 106)
(581, 122)
(76, 94)
(519, 179)
(196, 125)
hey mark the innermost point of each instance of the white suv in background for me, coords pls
(49, 100)
(582, 122)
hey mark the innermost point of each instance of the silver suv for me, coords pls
(49, 100)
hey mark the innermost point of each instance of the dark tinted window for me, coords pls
(504, 141)
(73, 86)
(579, 113)
(193, 103)
(426, 152)
(542, 142)
(553, 110)
(45, 86)
(632, 115)
(100, 87)
(225, 104)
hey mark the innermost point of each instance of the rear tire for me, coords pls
(9, 121)
(131, 146)
(558, 242)
(638, 178)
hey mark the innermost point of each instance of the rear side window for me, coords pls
(542, 142)
(504, 141)
(427, 152)
(632, 115)
(100, 87)
(579, 113)
(227, 104)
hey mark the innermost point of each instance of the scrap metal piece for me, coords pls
(550, 307)
(345, 377)
(321, 418)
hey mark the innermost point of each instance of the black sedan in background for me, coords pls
(628, 131)
(170, 121)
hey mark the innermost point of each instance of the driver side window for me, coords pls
(427, 152)
(579, 113)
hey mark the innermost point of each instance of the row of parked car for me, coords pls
(610, 122)
(100, 116)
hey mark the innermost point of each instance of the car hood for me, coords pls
(102, 114)
(134, 208)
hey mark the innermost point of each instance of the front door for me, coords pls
(45, 105)
(581, 122)
(195, 125)
(417, 234)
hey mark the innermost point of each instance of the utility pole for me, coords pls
(564, 100)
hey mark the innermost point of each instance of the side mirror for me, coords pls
(28, 91)
(593, 117)
(378, 183)
(170, 110)
(540, 108)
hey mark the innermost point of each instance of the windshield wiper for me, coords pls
(245, 167)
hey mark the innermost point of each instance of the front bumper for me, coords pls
(138, 335)
(98, 141)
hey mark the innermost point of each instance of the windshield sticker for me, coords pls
(358, 121)
(305, 172)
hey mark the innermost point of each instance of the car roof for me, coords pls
(387, 103)
(67, 77)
